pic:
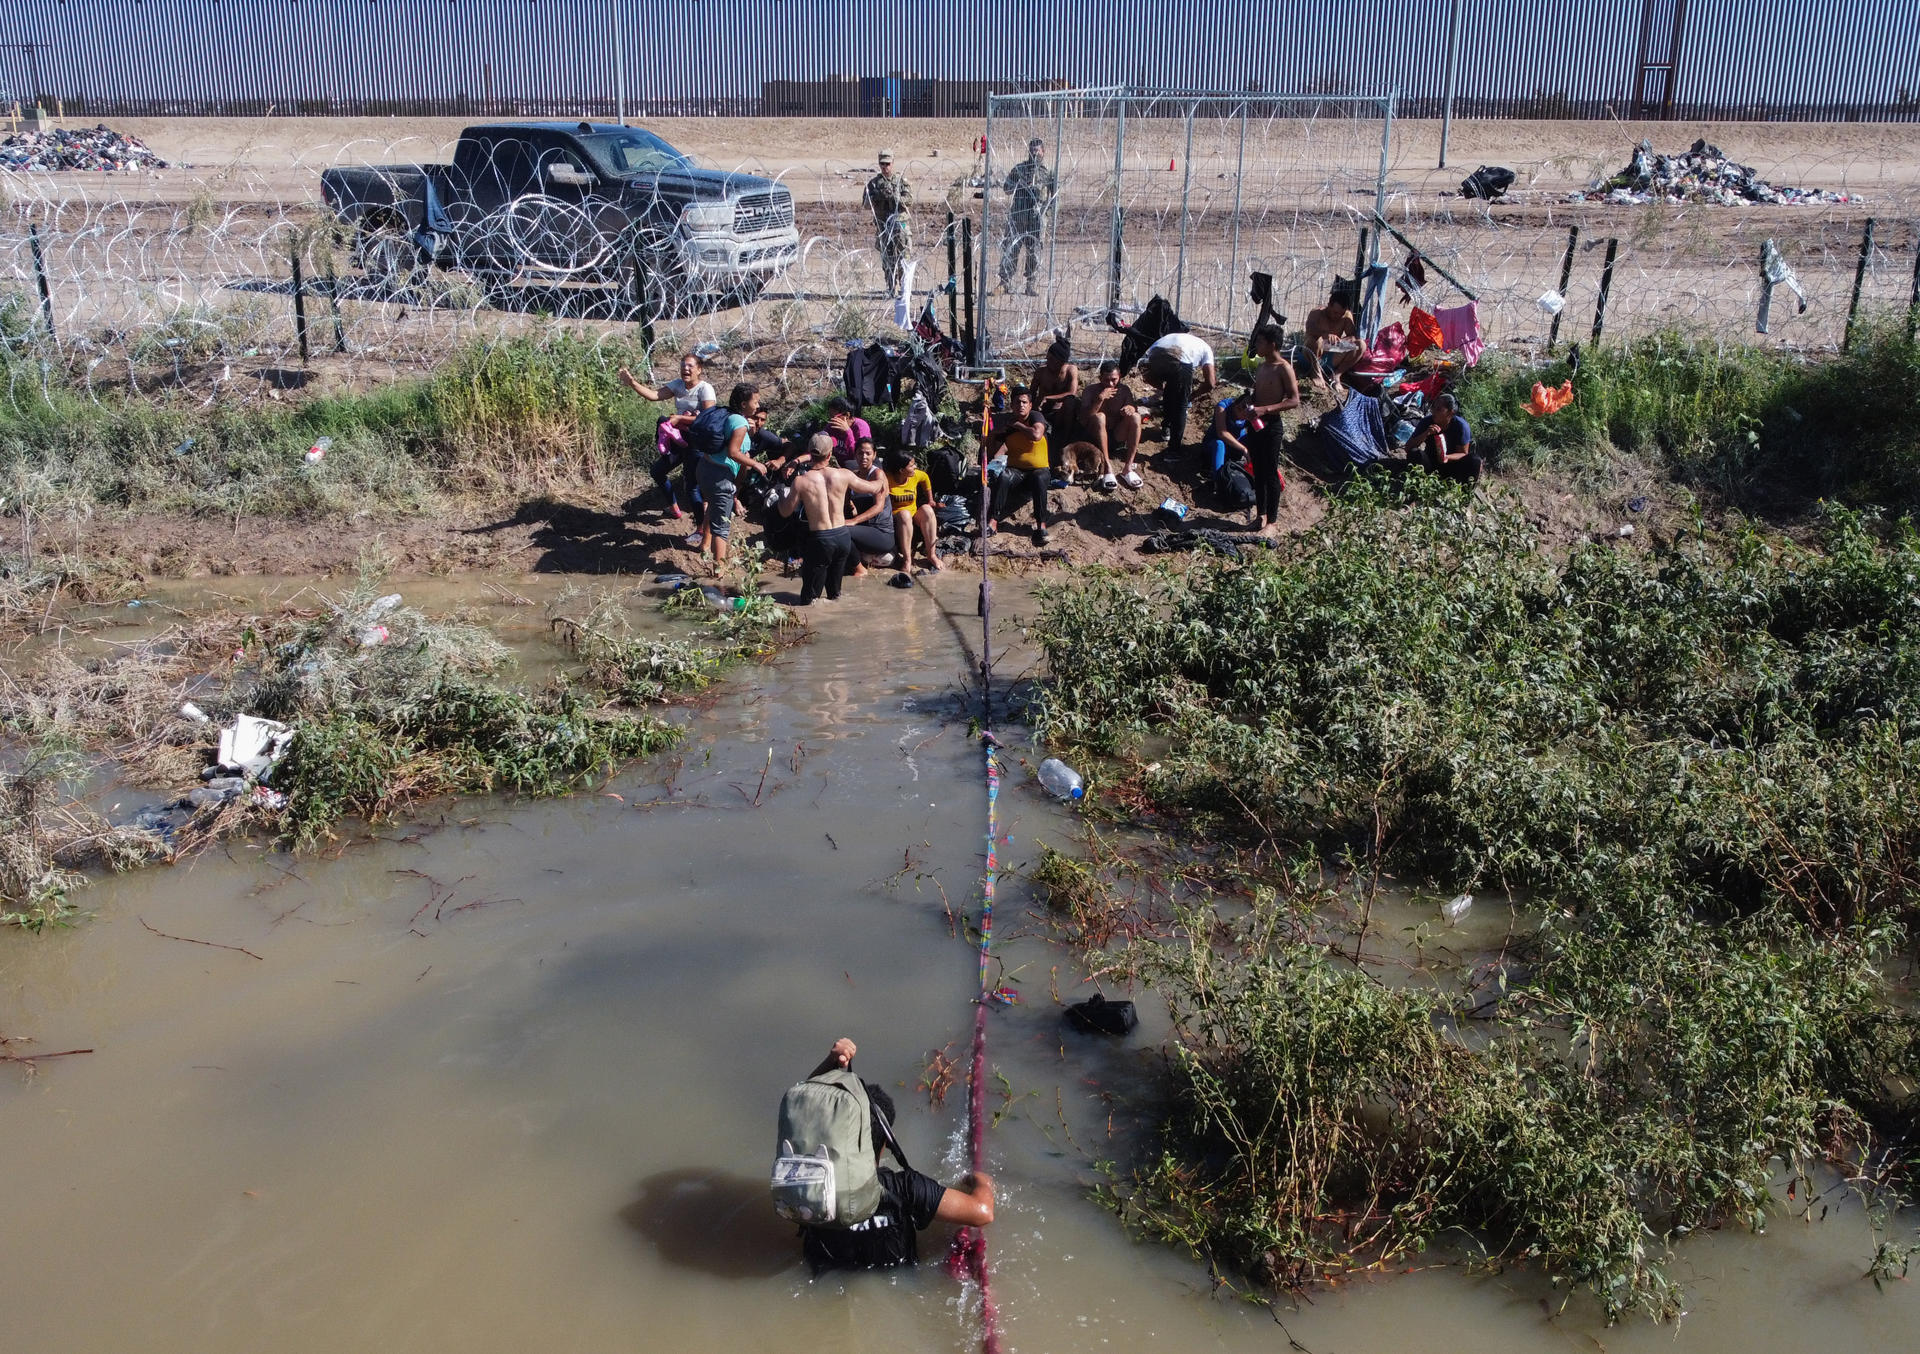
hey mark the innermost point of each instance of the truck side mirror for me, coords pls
(569, 176)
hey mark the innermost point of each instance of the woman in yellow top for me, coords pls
(910, 494)
(1024, 439)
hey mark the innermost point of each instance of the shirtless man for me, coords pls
(1111, 421)
(1332, 324)
(823, 491)
(1275, 390)
(1056, 393)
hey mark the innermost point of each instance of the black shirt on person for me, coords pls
(890, 1237)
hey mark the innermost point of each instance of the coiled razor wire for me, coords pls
(182, 282)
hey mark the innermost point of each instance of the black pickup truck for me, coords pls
(565, 202)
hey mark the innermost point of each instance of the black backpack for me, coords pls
(1235, 485)
(945, 469)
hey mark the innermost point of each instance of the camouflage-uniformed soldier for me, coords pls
(1031, 186)
(889, 198)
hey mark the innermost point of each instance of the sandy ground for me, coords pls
(829, 158)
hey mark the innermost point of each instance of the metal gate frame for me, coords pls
(1115, 101)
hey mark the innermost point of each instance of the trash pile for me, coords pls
(1703, 174)
(96, 148)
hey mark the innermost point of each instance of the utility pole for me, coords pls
(619, 66)
(1453, 65)
(32, 49)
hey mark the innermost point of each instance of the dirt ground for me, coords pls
(829, 158)
(635, 537)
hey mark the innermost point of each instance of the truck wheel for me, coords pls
(391, 261)
(645, 293)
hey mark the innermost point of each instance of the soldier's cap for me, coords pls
(886, 157)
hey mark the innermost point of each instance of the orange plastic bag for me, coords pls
(1547, 401)
(1423, 332)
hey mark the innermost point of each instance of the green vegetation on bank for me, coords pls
(520, 416)
(1760, 428)
(387, 708)
(1699, 767)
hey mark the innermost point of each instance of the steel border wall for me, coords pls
(1804, 60)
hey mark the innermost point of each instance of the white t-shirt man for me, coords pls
(1184, 348)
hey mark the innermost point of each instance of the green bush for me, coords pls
(1763, 428)
(1700, 767)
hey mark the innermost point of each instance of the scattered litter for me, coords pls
(900, 580)
(1552, 302)
(1550, 399)
(268, 799)
(1005, 996)
(1454, 909)
(195, 713)
(1171, 512)
(1061, 780)
(1489, 183)
(1704, 174)
(671, 580)
(97, 148)
(373, 636)
(1637, 504)
(379, 607)
(318, 451)
(1097, 1015)
(1625, 531)
(251, 745)
(1774, 272)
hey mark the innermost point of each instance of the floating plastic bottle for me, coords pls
(1456, 908)
(1061, 780)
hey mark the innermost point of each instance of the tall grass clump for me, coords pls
(1703, 767)
(1764, 429)
(527, 415)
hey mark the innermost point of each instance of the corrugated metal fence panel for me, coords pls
(1804, 59)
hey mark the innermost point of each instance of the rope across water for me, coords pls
(969, 1255)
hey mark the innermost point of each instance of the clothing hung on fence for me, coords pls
(1423, 332)
(1373, 289)
(1460, 331)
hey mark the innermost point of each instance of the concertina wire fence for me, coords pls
(185, 280)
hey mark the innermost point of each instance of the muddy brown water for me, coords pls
(505, 1079)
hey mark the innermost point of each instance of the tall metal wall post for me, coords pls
(1052, 226)
(1119, 212)
(1233, 250)
(983, 337)
(1453, 65)
(1380, 188)
(1186, 191)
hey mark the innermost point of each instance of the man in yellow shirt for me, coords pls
(1023, 439)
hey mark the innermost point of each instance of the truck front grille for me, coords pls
(759, 212)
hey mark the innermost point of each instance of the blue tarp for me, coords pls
(1356, 431)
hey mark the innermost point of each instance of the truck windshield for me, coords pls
(632, 152)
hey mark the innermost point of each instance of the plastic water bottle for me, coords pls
(1457, 908)
(1061, 780)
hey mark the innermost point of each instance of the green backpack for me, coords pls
(824, 1168)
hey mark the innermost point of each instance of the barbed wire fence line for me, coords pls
(186, 286)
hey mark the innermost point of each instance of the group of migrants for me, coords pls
(836, 504)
